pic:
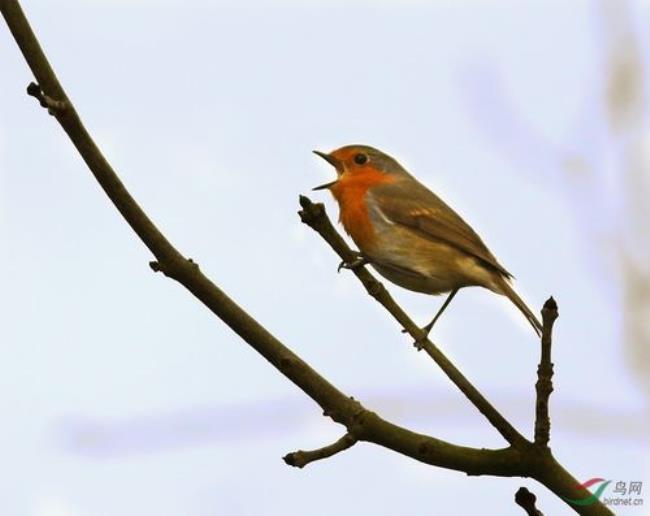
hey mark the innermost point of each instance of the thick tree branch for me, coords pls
(524, 459)
(314, 216)
(301, 458)
(544, 385)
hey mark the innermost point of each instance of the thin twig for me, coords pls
(544, 385)
(301, 458)
(527, 500)
(315, 216)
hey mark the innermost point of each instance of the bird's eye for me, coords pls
(361, 159)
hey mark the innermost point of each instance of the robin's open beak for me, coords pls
(332, 161)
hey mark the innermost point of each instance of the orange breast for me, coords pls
(350, 191)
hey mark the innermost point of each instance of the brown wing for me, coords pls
(411, 204)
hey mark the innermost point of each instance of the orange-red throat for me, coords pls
(356, 175)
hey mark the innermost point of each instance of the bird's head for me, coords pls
(353, 160)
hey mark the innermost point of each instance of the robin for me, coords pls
(408, 234)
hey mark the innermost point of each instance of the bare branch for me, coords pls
(525, 499)
(522, 458)
(314, 216)
(301, 458)
(544, 385)
(363, 424)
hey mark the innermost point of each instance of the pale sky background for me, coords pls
(121, 395)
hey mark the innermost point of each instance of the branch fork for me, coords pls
(533, 458)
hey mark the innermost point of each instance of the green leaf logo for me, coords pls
(593, 497)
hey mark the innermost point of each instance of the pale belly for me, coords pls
(416, 263)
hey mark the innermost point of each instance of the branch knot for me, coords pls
(54, 107)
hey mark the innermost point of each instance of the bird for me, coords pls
(408, 234)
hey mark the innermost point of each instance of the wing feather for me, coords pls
(411, 204)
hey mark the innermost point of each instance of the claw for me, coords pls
(419, 343)
(359, 261)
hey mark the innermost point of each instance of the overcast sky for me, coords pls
(122, 395)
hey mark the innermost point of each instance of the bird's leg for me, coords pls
(359, 261)
(427, 329)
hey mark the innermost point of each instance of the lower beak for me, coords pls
(332, 161)
(326, 185)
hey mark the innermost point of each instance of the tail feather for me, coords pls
(510, 293)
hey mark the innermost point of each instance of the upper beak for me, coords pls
(332, 161)
(327, 157)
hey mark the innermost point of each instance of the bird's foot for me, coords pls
(359, 261)
(424, 335)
